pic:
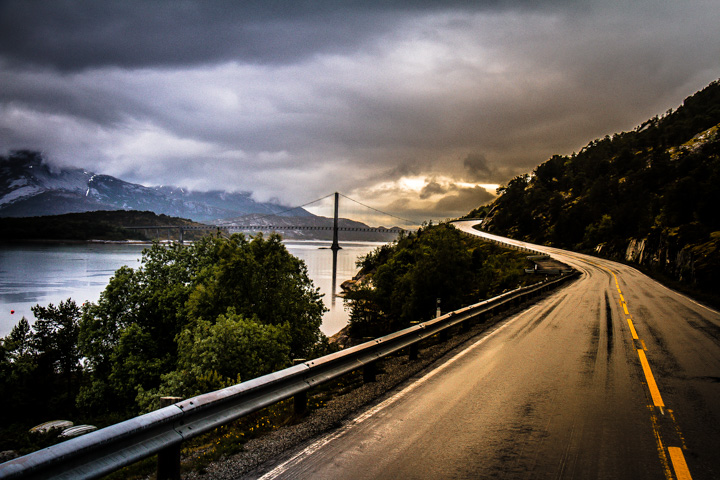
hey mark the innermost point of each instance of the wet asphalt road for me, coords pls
(612, 377)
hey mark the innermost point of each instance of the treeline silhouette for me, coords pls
(648, 196)
(100, 225)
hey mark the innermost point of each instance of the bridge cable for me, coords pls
(379, 211)
(293, 208)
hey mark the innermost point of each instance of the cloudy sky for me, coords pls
(413, 107)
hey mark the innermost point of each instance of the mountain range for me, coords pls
(31, 187)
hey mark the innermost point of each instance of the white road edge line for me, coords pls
(584, 257)
(309, 450)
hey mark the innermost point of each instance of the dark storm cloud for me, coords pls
(457, 204)
(71, 35)
(477, 168)
(432, 188)
(455, 201)
(78, 34)
(400, 102)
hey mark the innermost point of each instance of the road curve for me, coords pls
(612, 377)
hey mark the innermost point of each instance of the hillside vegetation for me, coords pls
(648, 196)
(101, 225)
(400, 282)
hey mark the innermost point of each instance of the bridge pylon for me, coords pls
(335, 245)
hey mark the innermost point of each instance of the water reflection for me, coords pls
(43, 274)
(334, 276)
(328, 269)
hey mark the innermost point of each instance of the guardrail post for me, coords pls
(414, 350)
(369, 372)
(168, 459)
(300, 401)
(444, 335)
(168, 463)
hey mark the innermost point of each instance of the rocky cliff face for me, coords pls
(694, 263)
(661, 254)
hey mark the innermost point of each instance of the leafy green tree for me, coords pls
(215, 355)
(234, 346)
(128, 336)
(55, 343)
(102, 323)
(55, 337)
(401, 282)
(20, 342)
(138, 360)
(40, 368)
(18, 380)
(260, 279)
(132, 337)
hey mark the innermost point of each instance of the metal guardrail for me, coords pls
(162, 431)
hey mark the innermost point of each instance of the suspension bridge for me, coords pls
(284, 221)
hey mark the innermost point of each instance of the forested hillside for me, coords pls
(100, 225)
(648, 196)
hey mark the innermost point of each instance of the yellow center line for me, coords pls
(632, 329)
(676, 455)
(660, 447)
(652, 386)
(677, 458)
(678, 461)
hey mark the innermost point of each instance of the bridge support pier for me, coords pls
(335, 245)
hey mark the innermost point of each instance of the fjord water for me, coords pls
(44, 274)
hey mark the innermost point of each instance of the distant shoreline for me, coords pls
(52, 241)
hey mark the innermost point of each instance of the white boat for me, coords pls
(77, 430)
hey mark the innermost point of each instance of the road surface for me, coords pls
(612, 377)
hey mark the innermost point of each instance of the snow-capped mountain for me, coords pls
(31, 187)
